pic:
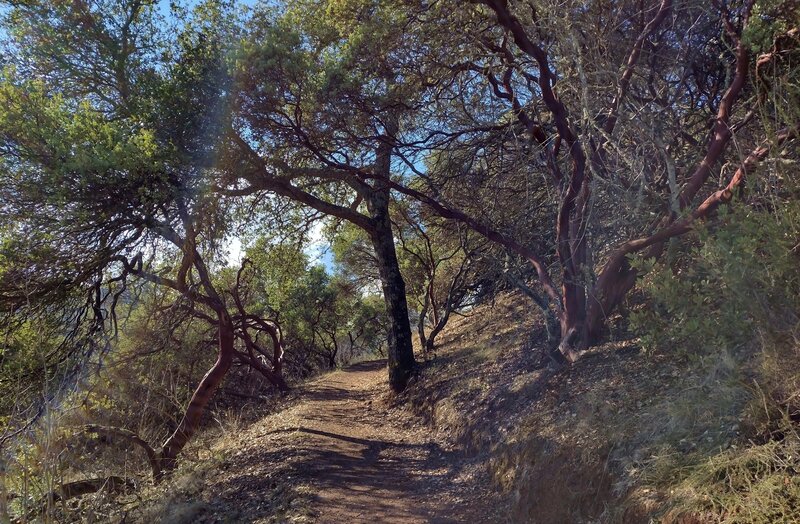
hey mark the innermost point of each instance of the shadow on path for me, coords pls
(359, 463)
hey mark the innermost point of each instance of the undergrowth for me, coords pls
(756, 483)
(730, 300)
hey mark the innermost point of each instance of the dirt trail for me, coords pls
(346, 458)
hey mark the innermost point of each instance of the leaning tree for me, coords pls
(107, 175)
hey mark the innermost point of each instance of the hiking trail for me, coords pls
(344, 451)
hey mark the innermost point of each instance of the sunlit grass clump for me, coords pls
(754, 484)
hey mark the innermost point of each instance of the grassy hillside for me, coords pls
(622, 436)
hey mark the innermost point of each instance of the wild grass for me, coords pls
(755, 484)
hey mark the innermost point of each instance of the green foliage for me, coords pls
(24, 350)
(125, 136)
(322, 316)
(278, 268)
(354, 256)
(728, 303)
(771, 18)
(99, 50)
(739, 279)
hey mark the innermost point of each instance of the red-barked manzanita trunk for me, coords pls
(202, 395)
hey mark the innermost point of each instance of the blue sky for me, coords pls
(163, 6)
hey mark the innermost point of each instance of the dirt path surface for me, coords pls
(339, 453)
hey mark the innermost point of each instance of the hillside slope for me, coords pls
(622, 436)
(490, 431)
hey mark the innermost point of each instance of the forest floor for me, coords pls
(339, 451)
(488, 431)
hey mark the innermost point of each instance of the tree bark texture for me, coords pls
(401, 349)
(202, 395)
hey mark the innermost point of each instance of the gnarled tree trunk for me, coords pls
(202, 395)
(164, 461)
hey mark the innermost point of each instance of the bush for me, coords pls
(736, 284)
(732, 296)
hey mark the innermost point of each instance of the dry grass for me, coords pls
(619, 437)
(755, 484)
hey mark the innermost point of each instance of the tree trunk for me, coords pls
(431, 342)
(274, 375)
(614, 283)
(432, 300)
(401, 350)
(202, 395)
(276, 379)
(277, 353)
(423, 313)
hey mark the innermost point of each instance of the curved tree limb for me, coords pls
(130, 436)
(616, 278)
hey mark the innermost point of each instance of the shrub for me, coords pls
(736, 284)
